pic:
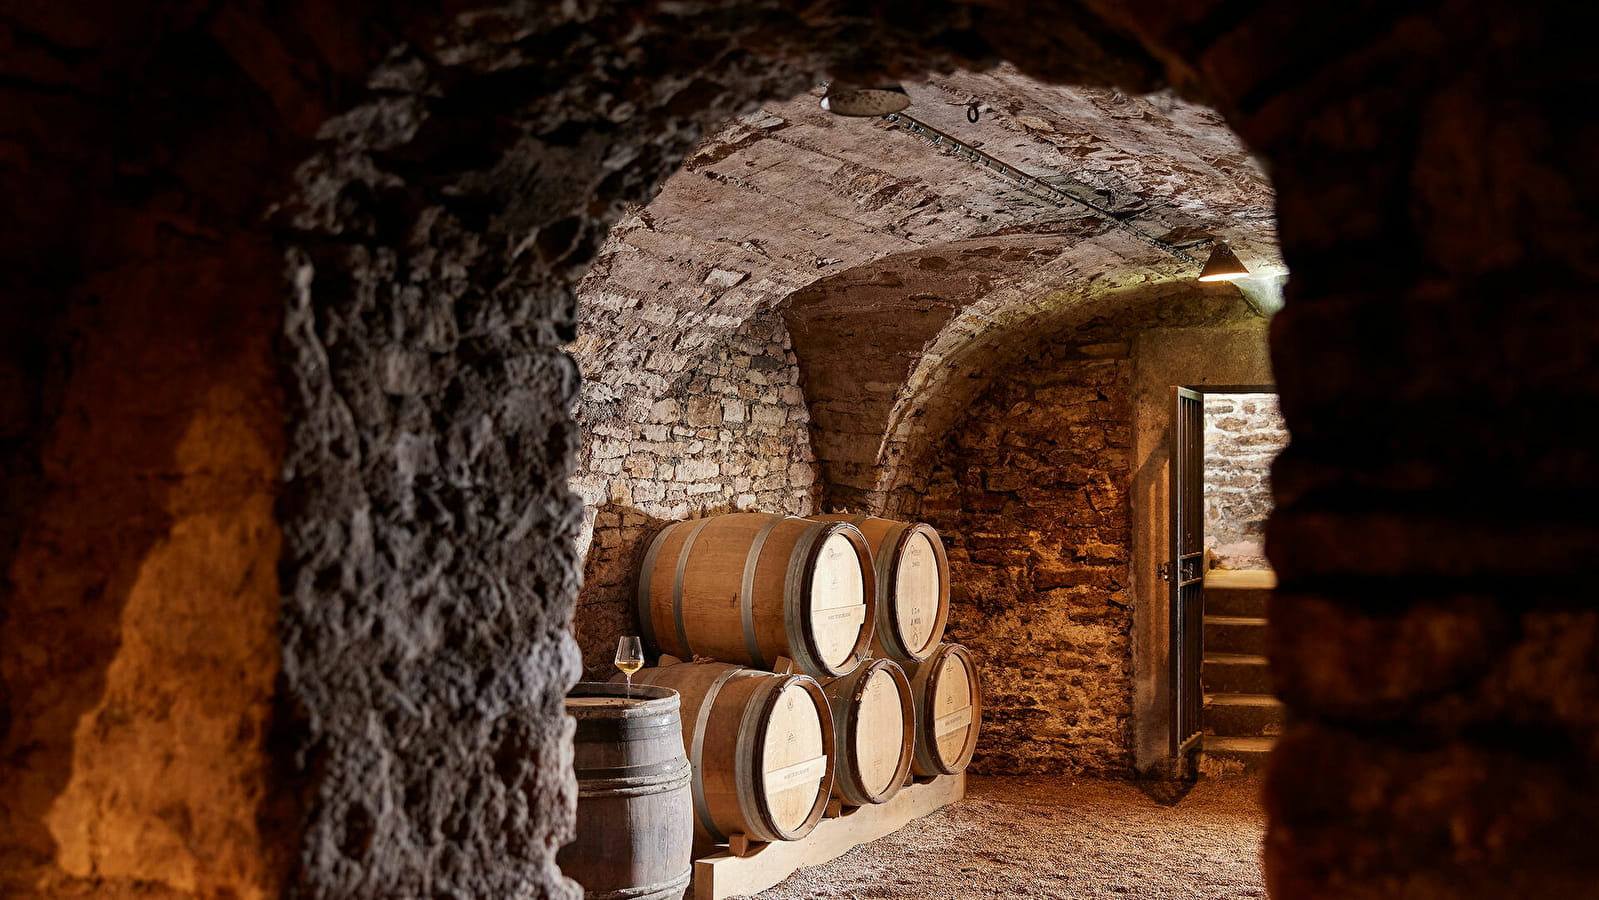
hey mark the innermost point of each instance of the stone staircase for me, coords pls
(1241, 717)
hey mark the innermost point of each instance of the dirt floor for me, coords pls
(1058, 838)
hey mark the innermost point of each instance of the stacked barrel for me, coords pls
(812, 665)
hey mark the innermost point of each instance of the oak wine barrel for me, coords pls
(751, 588)
(635, 816)
(949, 708)
(760, 746)
(874, 721)
(912, 573)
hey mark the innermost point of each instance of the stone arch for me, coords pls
(433, 245)
(862, 334)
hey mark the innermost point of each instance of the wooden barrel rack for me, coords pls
(853, 716)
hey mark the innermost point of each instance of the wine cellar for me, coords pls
(798, 451)
(718, 492)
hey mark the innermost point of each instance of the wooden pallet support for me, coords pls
(749, 867)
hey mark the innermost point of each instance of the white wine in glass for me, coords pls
(629, 658)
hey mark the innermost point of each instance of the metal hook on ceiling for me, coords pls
(972, 113)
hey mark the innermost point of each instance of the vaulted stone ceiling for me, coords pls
(899, 265)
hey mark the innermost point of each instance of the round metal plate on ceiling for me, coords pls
(849, 100)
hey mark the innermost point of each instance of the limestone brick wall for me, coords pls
(1243, 434)
(1031, 496)
(715, 429)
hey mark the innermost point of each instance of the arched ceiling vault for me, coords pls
(903, 270)
(1091, 320)
(894, 352)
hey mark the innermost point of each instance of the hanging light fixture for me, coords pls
(1223, 265)
(849, 100)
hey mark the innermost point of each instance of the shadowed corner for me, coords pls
(1167, 785)
(606, 605)
(1166, 792)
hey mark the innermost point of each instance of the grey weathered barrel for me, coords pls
(752, 588)
(912, 574)
(761, 746)
(635, 815)
(874, 721)
(949, 708)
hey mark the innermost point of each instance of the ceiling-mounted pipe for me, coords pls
(1037, 186)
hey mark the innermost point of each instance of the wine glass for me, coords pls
(629, 658)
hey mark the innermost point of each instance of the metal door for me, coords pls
(1186, 571)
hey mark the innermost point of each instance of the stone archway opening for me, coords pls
(984, 384)
(1435, 645)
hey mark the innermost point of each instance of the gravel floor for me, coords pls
(1058, 838)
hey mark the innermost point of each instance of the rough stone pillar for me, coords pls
(430, 559)
(428, 563)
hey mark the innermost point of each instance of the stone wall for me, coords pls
(723, 428)
(1030, 494)
(1243, 434)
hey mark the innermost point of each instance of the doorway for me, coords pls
(1222, 706)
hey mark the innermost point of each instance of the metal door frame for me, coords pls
(1184, 570)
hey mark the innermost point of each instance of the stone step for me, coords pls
(1234, 755)
(1236, 673)
(1243, 715)
(1249, 602)
(1238, 593)
(1235, 634)
(1248, 579)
